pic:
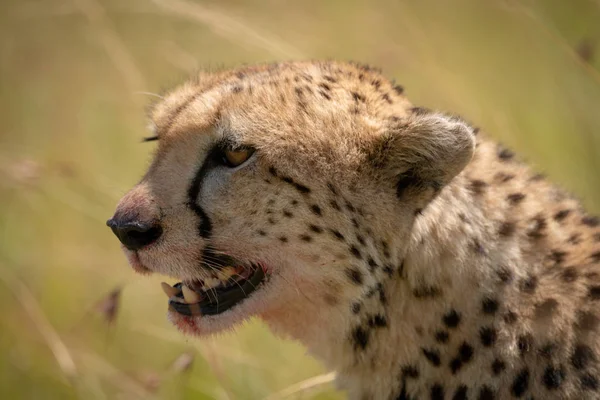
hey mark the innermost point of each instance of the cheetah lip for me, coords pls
(201, 297)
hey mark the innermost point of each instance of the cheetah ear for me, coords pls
(423, 153)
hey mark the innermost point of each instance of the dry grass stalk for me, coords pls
(303, 386)
(228, 27)
(31, 306)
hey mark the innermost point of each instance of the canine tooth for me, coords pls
(226, 273)
(210, 283)
(190, 296)
(169, 290)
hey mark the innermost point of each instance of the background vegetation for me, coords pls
(75, 76)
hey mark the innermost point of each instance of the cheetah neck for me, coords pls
(369, 347)
(438, 290)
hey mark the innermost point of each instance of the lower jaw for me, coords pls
(216, 302)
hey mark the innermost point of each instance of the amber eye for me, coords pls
(235, 158)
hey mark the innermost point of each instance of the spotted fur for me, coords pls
(412, 255)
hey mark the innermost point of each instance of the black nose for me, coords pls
(133, 234)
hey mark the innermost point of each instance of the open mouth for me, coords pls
(226, 288)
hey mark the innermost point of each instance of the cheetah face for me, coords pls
(280, 199)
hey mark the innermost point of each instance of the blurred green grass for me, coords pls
(72, 75)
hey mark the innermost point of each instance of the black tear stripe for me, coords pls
(205, 225)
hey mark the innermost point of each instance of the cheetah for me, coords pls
(410, 254)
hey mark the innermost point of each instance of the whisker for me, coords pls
(148, 94)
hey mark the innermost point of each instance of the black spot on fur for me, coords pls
(337, 234)
(433, 356)
(426, 292)
(410, 371)
(388, 270)
(360, 239)
(465, 352)
(460, 393)
(488, 336)
(529, 285)
(382, 297)
(594, 292)
(360, 338)
(335, 205)
(505, 154)
(505, 274)
(442, 336)
(283, 239)
(562, 214)
(595, 256)
(332, 188)
(372, 264)
(299, 187)
(503, 177)
(356, 308)
(455, 365)
(355, 252)
(548, 350)
(574, 238)
(515, 198)
(582, 356)
(569, 274)
(553, 377)
(558, 256)
(287, 214)
(489, 306)
(325, 86)
(316, 209)
(498, 366)
(325, 94)
(262, 233)
(477, 247)
(520, 383)
(306, 238)
(537, 178)
(590, 221)
(478, 186)
(451, 319)
(507, 228)
(377, 321)
(315, 228)
(420, 110)
(510, 317)
(589, 382)
(358, 97)
(355, 276)
(587, 321)
(486, 393)
(524, 344)
(437, 392)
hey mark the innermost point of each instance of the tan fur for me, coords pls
(406, 253)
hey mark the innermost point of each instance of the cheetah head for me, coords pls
(284, 191)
